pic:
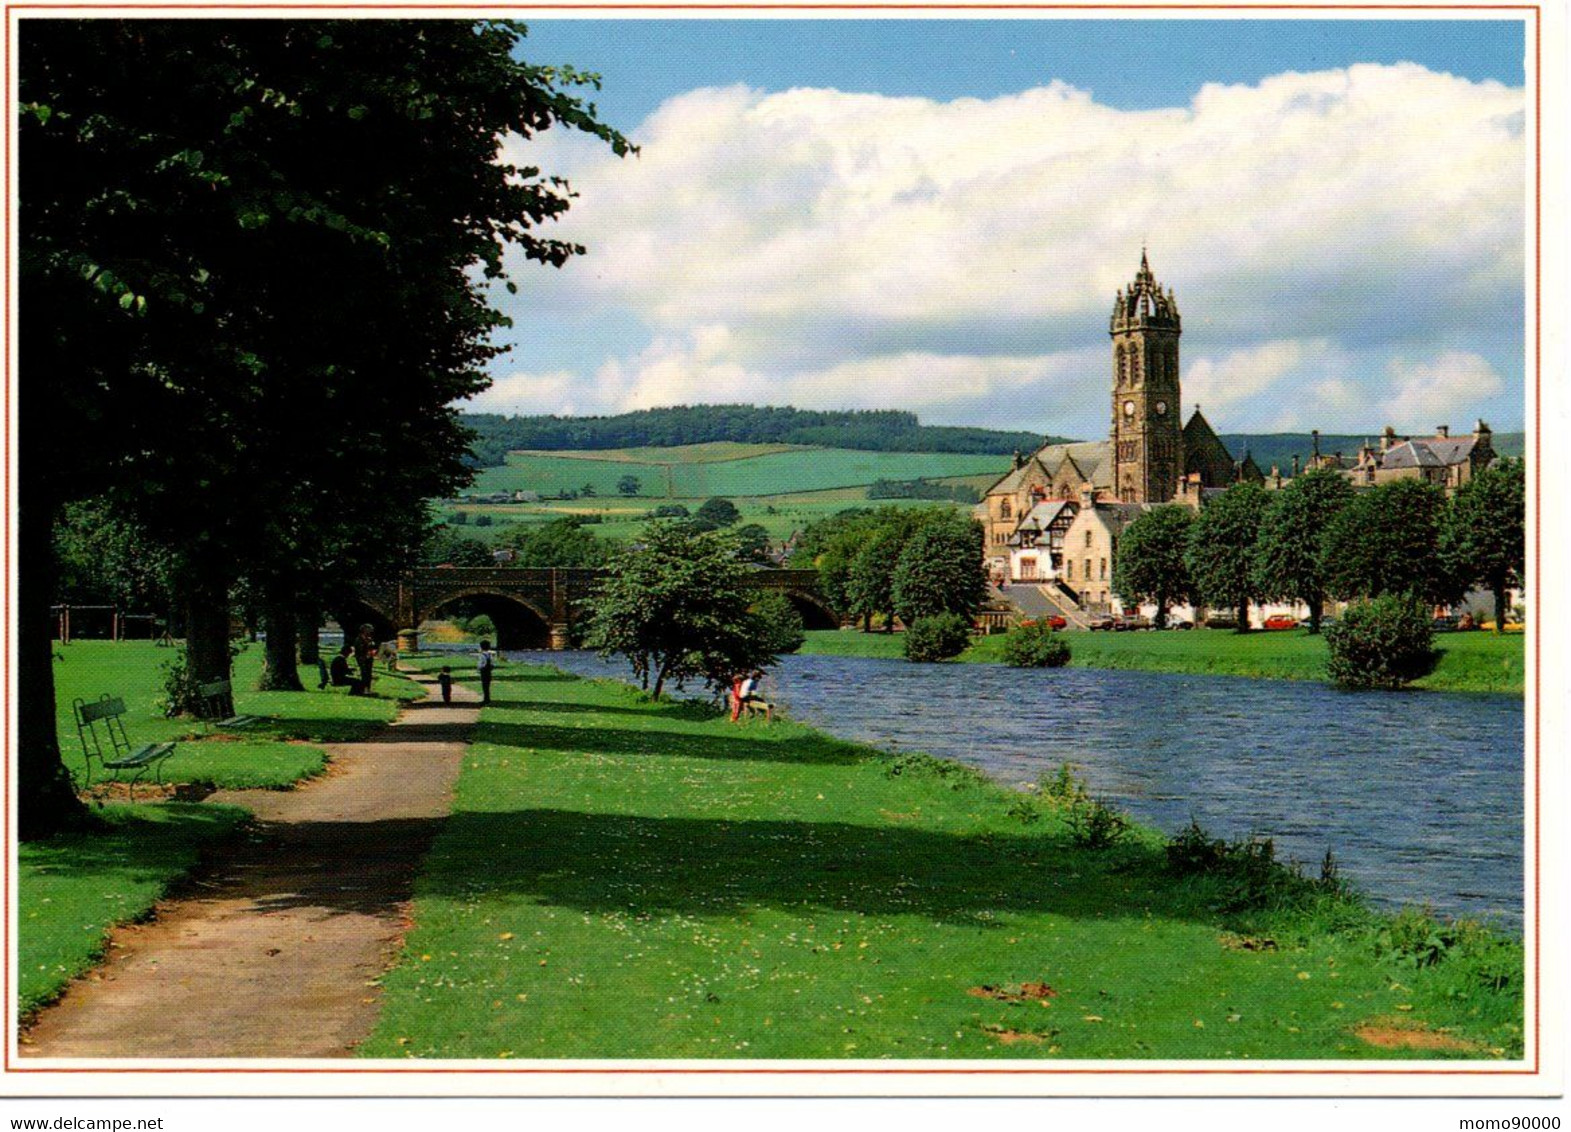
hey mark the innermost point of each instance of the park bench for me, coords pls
(103, 719)
(213, 699)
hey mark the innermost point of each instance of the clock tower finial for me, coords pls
(1148, 455)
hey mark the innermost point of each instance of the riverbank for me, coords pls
(621, 878)
(1470, 662)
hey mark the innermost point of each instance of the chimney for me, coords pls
(1315, 433)
(1387, 439)
(1481, 429)
(1295, 465)
(1443, 431)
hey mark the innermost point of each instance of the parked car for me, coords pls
(1103, 622)
(1179, 623)
(1057, 622)
(1222, 621)
(1444, 625)
(1132, 621)
(1280, 621)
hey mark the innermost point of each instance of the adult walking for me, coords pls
(485, 664)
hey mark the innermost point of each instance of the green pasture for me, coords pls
(276, 752)
(1469, 662)
(627, 879)
(730, 470)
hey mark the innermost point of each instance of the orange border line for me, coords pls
(1536, 20)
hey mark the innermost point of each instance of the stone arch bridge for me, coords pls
(530, 608)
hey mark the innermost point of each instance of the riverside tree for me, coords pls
(1387, 541)
(675, 606)
(940, 569)
(1222, 549)
(1290, 557)
(176, 176)
(1151, 564)
(1484, 536)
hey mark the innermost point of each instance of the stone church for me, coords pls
(1057, 513)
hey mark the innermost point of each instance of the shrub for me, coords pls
(936, 638)
(1093, 824)
(1384, 643)
(957, 776)
(1063, 788)
(1035, 645)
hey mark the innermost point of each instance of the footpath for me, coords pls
(275, 950)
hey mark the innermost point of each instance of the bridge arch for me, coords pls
(353, 611)
(814, 611)
(520, 623)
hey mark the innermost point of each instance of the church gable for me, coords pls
(1206, 455)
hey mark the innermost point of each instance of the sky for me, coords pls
(935, 215)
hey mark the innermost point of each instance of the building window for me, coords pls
(1069, 571)
(1123, 369)
(1088, 539)
(1088, 569)
(1005, 510)
(1103, 574)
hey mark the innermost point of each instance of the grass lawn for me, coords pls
(278, 751)
(1471, 662)
(627, 879)
(73, 888)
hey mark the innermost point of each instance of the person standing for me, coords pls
(444, 680)
(365, 656)
(485, 664)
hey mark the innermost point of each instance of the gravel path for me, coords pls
(274, 951)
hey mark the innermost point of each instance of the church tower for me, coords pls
(1148, 439)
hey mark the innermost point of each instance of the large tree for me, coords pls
(1387, 540)
(1290, 557)
(675, 606)
(940, 569)
(1222, 549)
(253, 262)
(1484, 535)
(1151, 564)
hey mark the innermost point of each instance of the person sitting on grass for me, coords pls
(339, 672)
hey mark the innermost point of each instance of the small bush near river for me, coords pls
(1384, 643)
(1035, 645)
(936, 638)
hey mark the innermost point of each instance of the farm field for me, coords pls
(732, 470)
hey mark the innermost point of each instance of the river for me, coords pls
(1417, 794)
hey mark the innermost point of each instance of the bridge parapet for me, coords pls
(553, 596)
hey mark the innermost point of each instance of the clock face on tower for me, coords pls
(1161, 408)
(1129, 408)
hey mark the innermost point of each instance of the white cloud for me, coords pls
(818, 247)
(1412, 395)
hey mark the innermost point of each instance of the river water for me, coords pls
(1417, 794)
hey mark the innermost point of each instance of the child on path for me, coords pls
(445, 679)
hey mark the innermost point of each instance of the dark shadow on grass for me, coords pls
(675, 709)
(620, 863)
(819, 749)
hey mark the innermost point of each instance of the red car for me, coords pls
(1057, 622)
(1281, 622)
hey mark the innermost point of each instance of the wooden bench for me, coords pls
(215, 699)
(102, 719)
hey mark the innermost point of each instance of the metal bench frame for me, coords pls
(107, 712)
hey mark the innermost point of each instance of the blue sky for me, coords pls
(934, 215)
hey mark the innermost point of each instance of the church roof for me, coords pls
(1090, 460)
(1011, 480)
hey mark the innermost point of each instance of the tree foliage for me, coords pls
(560, 544)
(1035, 645)
(1386, 642)
(940, 636)
(718, 511)
(1222, 549)
(1484, 536)
(780, 623)
(260, 416)
(940, 569)
(1291, 563)
(1387, 541)
(1151, 565)
(675, 606)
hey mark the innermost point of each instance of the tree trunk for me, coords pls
(207, 636)
(1315, 603)
(1243, 615)
(46, 798)
(660, 678)
(1161, 614)
(309, 630)
(1500, 588)
(281, 673)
